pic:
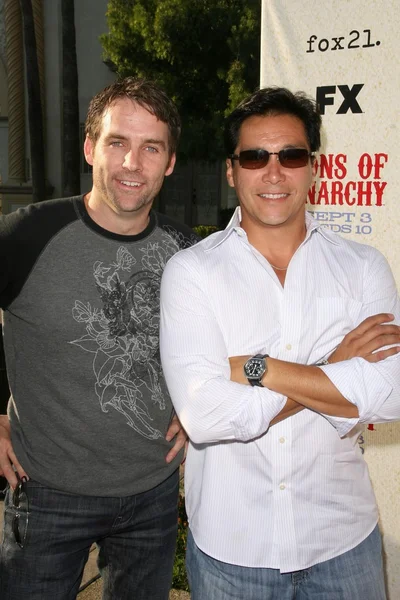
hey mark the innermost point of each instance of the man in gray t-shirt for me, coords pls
(94, 441)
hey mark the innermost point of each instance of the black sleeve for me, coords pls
(23, 235)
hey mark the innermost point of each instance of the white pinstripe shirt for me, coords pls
(298, 493)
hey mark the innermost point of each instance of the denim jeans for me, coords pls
(354, 575)
(136, 537)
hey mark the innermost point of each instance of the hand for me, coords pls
(175, 430)
(364, 341)
(7, 456)
(373, 333)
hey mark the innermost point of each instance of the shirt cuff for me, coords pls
(342, 425)
(360, 383)
(258, 416)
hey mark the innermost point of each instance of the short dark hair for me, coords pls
(274, 101)
(147, 94)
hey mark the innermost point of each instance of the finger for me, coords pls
(173, 453)
(385, 339)
(356, 344)
(9, 464)
(7, 470)
(379, 342)
(4, 422)
(382, 354)
(174, 428)
(177, 447)
(384, 329)
(369, 322)
(17, 465)
(359, 337)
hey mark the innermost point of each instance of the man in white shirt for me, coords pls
(279, 500)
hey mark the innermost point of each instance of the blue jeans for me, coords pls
(136, 537)
(354, 575)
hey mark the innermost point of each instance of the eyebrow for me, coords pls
(114, 136)
(156, 142)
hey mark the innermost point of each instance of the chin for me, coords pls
(271, 221)
(132, 208)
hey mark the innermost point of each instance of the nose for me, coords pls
(273, 171)
(132, 161)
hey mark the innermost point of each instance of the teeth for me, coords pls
(131, 183)
(273, 196)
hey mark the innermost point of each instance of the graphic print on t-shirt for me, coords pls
(122, 333)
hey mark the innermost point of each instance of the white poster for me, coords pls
(346, 56)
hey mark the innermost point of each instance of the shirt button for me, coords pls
(282, 486)
(282, 440)
(288, 346)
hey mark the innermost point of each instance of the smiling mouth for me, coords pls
(273, 196)
(130, 183)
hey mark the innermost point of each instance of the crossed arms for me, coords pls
(316, 391)
(214, 403)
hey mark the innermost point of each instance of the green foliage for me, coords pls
(179, 578)
(205, 53)
(204, 230)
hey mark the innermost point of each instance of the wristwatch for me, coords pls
(321, 363)
(254, 368)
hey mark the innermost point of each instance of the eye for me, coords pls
(151, 149)
(116, 144)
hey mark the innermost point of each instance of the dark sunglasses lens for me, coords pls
(293, 158)
(15, 528)
(17, 494)
(253, 159)
(19, 490)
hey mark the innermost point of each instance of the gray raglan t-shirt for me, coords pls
(89, 408)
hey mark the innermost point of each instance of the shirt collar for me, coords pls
(314, 225)
(234, 227)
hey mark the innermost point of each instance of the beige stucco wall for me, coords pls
(300, 51)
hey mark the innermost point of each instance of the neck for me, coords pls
(279, 268)
(277, 244)
(130, 223)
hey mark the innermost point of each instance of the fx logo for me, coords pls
(326, 97)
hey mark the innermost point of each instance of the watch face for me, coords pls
(254, 368)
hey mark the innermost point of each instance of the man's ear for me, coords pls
(171, 165)
(229, 172)
(314, 167)
(88, 150)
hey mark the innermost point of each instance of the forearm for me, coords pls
(354, 389)
(373, 387)
(308, 386)
(305, 385)
(212, 409)
(291, 408)
(371, 384)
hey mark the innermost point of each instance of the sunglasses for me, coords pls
(21, 507)
(291, 158)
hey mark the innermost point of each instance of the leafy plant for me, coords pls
(179, 578)
(204, 230)
(206, 55)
